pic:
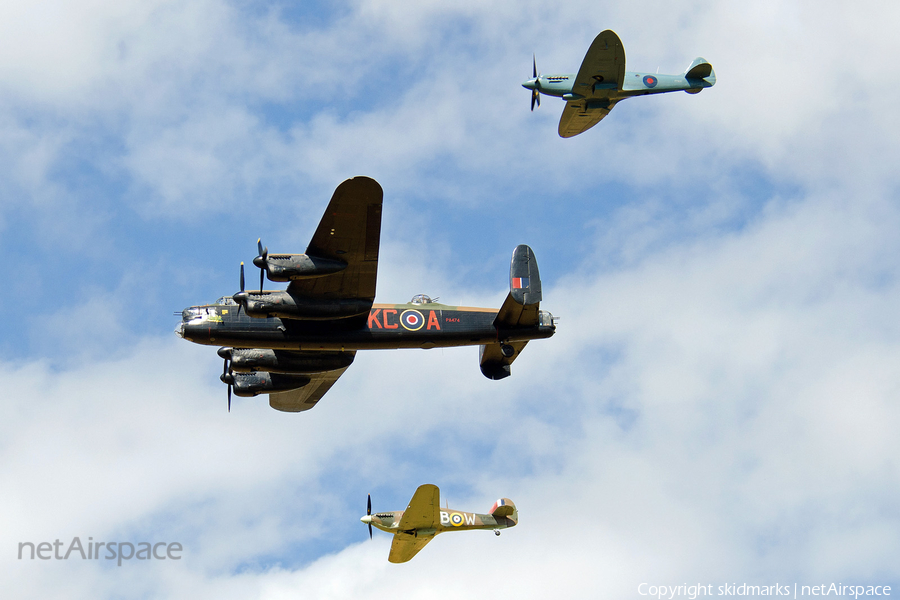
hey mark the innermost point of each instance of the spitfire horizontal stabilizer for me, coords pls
(699, 75)
(700, 69)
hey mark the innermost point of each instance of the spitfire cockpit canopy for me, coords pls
(225, 301)
(421, 299)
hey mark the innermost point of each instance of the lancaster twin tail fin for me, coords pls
(519, 310)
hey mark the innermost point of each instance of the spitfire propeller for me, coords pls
(260, 261)
(536, 90)
(369, 514)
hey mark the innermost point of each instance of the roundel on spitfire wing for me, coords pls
(412, 320)
(650, 81)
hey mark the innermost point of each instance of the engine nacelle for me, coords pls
(285, 306)
(285, 361)
(253, 384)
(285, 267)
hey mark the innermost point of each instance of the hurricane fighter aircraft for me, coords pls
(294, 344)
(424, 518)
(602, 81)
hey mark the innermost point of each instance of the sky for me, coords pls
(719, 405)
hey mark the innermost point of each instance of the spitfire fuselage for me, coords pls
(634, 84)
(387, 326)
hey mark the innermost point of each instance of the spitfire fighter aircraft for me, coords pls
(424, 518)
(294, 344)
(602, 81)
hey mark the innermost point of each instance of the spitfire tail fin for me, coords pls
(505, 509)
(700, 73)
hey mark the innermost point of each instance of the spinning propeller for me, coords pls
(536, 90)
(227, 376)
(260, 261)
(240, 297)
(369, 514)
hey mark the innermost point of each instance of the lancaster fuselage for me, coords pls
(387, 326)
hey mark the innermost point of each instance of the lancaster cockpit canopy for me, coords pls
(421, 299)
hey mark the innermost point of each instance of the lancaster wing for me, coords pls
(350, 231)
(306, 397)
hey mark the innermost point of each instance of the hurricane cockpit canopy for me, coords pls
(421, 299)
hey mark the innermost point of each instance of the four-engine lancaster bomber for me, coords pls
(602, 81)
(424, 518)
(294, 344)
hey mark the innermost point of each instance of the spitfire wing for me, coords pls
(407, 545)
(578, 117)
(600, 77)
(306, 397)
(420, 514)
(603, 67)
(350, 231)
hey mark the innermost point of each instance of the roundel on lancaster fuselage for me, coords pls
(412, 320)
